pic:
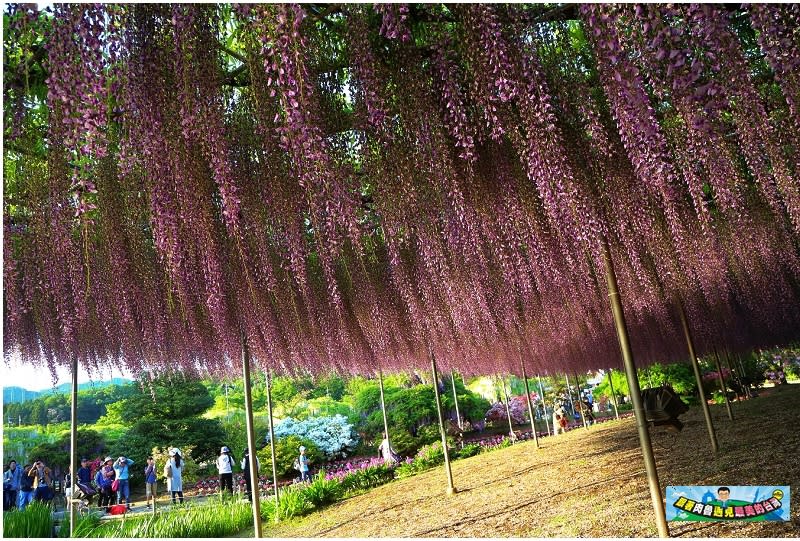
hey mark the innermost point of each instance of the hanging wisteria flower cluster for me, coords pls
(356, 188)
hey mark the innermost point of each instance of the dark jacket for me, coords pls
(84, 476)
(26, 483)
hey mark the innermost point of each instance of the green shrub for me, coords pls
(403, 442)
(428, 434)
(204, 520)
(406, 469)
(367, 478)
(430, 455)
(35, 521)
(505, 443)
(293, 503)
(286, 450)
(468, 450)
(322, 491)
(268, 509)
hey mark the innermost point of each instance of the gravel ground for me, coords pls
(584, 483)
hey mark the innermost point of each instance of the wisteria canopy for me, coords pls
(350, 187)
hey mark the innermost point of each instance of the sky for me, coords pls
(37, 378)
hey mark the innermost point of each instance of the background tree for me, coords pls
(56, 454)
(167, 412)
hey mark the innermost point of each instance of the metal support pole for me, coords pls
(544, 407)
(613, 394)
(580, 401)
(569, 396)
(455, 398)
(530, 404)
(743, 374)
(383, 409)
(636, 395)
(73, 448)
(698, 377)
(734, 374)
(722, 386)
(251, 440)
(448, 471)
(508, 410)
(272, 446)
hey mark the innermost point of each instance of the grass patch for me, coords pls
(35, 521)
(209, 520)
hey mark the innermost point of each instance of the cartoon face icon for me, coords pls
(777, 494)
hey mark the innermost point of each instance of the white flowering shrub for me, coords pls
(334, 436)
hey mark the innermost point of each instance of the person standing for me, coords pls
(246, 473)
(304, 462)
(586, 410)
(173, 471)
(123, 474)
(559, 419)
(25, 489)
(104, 480)
(386, 451)
(85, 480)
(42, 481)
(11, 482)
(150, 481)
(225, 463)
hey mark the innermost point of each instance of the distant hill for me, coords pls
(18, 394)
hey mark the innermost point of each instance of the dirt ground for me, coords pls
(585, 483)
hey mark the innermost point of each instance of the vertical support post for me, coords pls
(73, 447)
(251, 440)
(569, 396)
(734, 374)
(383, 409)
(448, 471)
(455, 398)
(636, 394)
(544, 406)
(580, 401)
(742, 374)
(227, 404)
(530, 405)
(722, 386)
(508, 409)
(698, 377)
(272, 446)
(613, 394)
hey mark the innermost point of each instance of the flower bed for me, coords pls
(210, 485)
(343, 468)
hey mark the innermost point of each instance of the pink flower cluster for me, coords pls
(239, 202)
(340, 469)
(210, 485)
